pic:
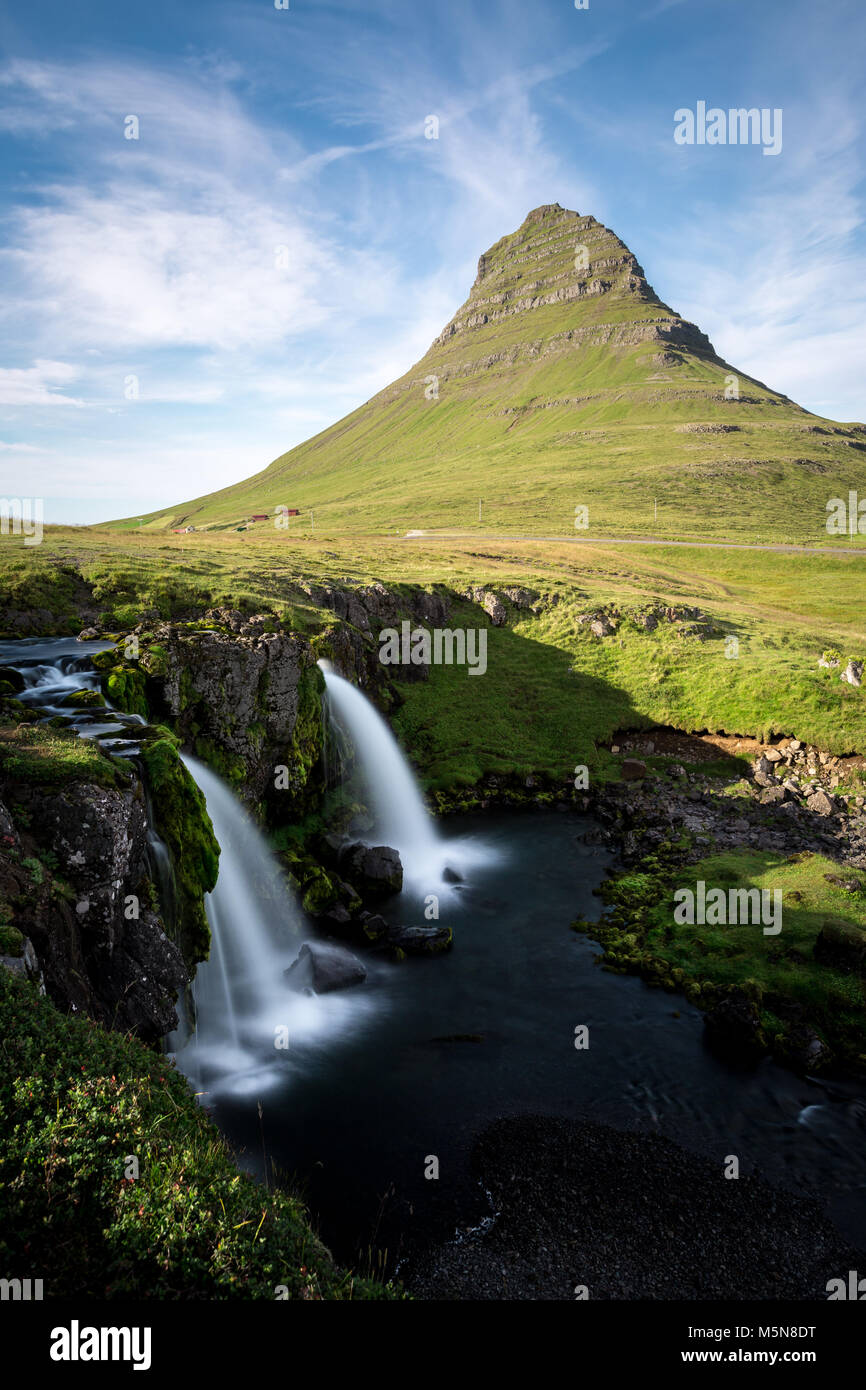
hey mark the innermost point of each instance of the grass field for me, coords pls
(551, 693)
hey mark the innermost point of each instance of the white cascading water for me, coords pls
(242, 999)
(394, 799)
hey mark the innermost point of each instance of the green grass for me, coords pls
(778, 971)
(75, 1102)
(41, 754)
(530, 712)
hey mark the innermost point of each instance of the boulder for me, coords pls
(733, 1029)
(419, 941)
(601, 626)
(851, 885)
(374, 870)
(804, 1050)
(842, 946)
(820, 803)
(648, 621)
(83, 699)
(323, 968)
(853, 673)
(633, 769)
(772, 796)
(373, 927)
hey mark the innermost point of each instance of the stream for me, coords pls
(413, 1063)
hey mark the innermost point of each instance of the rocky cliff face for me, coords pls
(245, 693)
(79, 905)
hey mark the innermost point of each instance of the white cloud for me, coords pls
(36, 385)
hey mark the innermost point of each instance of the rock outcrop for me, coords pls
(74, 882)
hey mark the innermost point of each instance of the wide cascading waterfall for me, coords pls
(393, 796)
(243, 1002)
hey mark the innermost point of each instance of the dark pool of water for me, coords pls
(358, 1123)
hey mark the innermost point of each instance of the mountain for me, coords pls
(562, 382)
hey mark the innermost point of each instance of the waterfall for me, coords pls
(395, 801)
(248, 1022)
(393, 796)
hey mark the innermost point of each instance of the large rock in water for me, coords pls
(375, 870)
(323, 968)
(419, 941)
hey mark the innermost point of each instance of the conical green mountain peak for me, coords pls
(563, 382)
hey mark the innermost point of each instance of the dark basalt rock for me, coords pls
(733, 1030)
(419, 941)
(375, 871)
(323, 968)
(85, 951)
(633, 769)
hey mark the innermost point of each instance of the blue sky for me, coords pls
(303, 129)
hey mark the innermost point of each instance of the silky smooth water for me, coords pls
(392, 795)
(248, 1023)
(417, 1060)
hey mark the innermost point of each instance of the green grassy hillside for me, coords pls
(562, 382)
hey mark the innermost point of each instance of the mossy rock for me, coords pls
(154, 660)
(104, 661)
(182, 820)
(11, 941)
(84, 699)
(229, 766)
(842, 946)
(125, 689)
(320, 892)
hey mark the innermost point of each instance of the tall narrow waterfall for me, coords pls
(394, 799)
(402, 819)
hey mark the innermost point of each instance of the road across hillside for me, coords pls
(641, 540)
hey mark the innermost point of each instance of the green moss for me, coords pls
(38, 753)
(639, 934)
(83, 699)
(105, 661)
(320, 891)
(183, 822)
(125, 688)
(74, 1101)
(11, 941)
(303, 754)
(154, 659)
(229, 766)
